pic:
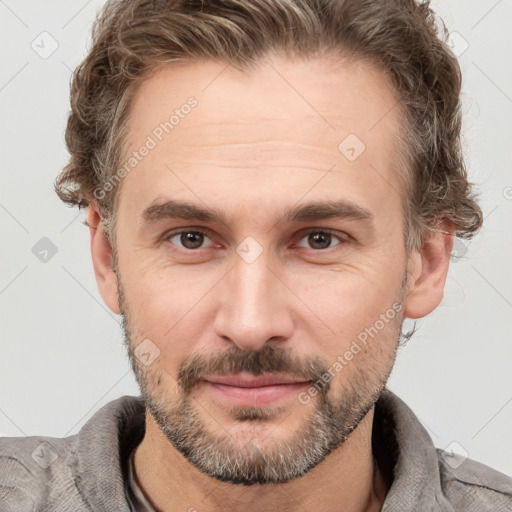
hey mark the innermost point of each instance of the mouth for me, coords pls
(246, 390)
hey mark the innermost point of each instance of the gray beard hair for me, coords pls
(329, 426)
(333, 419)
(331, 422)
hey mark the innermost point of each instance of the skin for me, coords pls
(257, 145)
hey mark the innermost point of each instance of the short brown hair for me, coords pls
(131, 38)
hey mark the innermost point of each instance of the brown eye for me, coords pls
(319, 240)
(191, 239)
(187, 239)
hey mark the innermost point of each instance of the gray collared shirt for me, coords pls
(91, 471)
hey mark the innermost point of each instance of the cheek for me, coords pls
(362, 310)
(348, 299)
(168, 310)
(163, 295)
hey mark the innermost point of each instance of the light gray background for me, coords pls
(62, 356)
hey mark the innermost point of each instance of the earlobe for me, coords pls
(428, 270)
(102, 259)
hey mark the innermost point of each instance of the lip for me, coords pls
(251, 381)
(254, 391)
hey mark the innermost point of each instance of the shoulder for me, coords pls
(79, 472)
(36, 472)
(474, 487)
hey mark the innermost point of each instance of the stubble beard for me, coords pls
(261, 460)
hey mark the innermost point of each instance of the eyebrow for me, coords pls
(339, 209)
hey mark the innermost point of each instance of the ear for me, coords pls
(428, 268)
(102, 260)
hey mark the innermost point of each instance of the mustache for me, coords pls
(265, 360)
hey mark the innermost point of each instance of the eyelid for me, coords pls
(173, 232)
(342, 237)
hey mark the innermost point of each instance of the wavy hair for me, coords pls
(403, 38)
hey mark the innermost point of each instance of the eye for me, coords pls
(188, 239)
(320, 239)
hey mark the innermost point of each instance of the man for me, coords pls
(272, 187)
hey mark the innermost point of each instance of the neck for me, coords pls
(347, 479)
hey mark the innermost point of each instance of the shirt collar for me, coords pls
(401, 440)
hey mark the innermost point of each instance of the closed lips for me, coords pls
(253, 382)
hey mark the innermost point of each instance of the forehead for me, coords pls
(335, 94)
(279, 120)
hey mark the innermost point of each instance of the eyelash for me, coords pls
(168, 236)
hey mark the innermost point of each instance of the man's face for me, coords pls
(272, 294)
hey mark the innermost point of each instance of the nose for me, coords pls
(254, 306)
